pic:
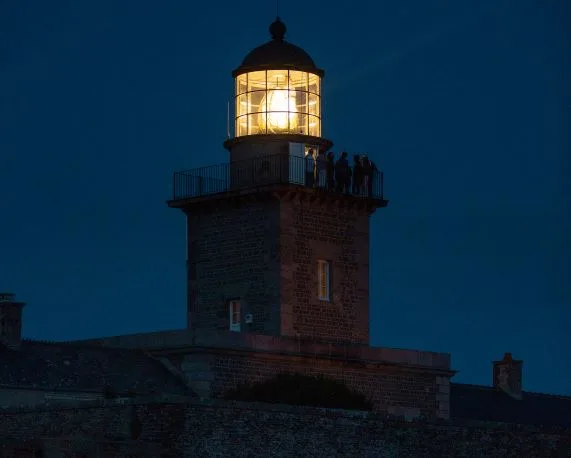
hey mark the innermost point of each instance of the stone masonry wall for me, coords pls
(21, 397)
(392, 389)
(324, 228)
(233, 253)
(246, 429)
(245, 151)
(15, 397)
(265, 250)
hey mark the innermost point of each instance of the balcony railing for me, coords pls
(7, 297)
(277, 169)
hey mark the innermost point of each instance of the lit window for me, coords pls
(323, 280)
(234, 316)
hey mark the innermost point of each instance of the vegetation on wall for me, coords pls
(304, 390)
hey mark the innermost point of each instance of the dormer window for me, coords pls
(323, 280)
(234, 309)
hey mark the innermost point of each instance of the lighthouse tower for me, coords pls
(269, 250)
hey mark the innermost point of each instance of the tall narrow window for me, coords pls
(234, 315)
(323, 280)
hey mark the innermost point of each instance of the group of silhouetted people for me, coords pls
(322, 171)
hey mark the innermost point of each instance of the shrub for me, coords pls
(299, 389)
(109, 392)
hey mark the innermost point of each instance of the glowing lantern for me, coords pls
(278, 112)
(277, 90)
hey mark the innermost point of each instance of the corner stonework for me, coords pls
(198, 374)
(443, 397)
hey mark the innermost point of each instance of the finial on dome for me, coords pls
(277, 29)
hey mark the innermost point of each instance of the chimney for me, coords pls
(507, 376)
(10, 320)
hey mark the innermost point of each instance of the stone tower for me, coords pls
(274, 246)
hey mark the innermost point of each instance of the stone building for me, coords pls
(278, 281)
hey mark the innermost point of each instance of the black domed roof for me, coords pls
(277, 54)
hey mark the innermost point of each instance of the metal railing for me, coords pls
(7, 297)
(276, 169)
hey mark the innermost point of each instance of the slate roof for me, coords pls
(483, 403)
(81, 367)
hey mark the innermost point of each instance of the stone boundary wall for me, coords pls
(221, 428)
(27, 396)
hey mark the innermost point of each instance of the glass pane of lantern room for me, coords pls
(255, 99)
(294, 122)
(253, 125)
(314, 126)
(298, 80)
(241, 83)
(257, 81)
(277, 79)
(300, 99)
(241, 112)
(242, 125)
(313, 104)
(314, 84)
(303, 124)
(242, 105)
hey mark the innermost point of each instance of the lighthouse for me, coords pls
(267, 251)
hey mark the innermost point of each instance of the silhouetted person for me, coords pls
(342, 173)
(309, 168)
(357, 175)
(321, 169)
(330, 170)
(367, 170)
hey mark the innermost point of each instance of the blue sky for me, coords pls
(466, 106)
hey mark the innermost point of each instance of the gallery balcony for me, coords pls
(265, 172)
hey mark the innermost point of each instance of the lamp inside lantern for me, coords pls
(278, 112)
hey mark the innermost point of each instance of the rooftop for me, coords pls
(78, 367)
(485, 403)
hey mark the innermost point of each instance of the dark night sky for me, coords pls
(466, 106)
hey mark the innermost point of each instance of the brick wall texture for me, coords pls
(264, 251)
(250, 430)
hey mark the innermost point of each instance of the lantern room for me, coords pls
(278, 102)
(277, 96)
